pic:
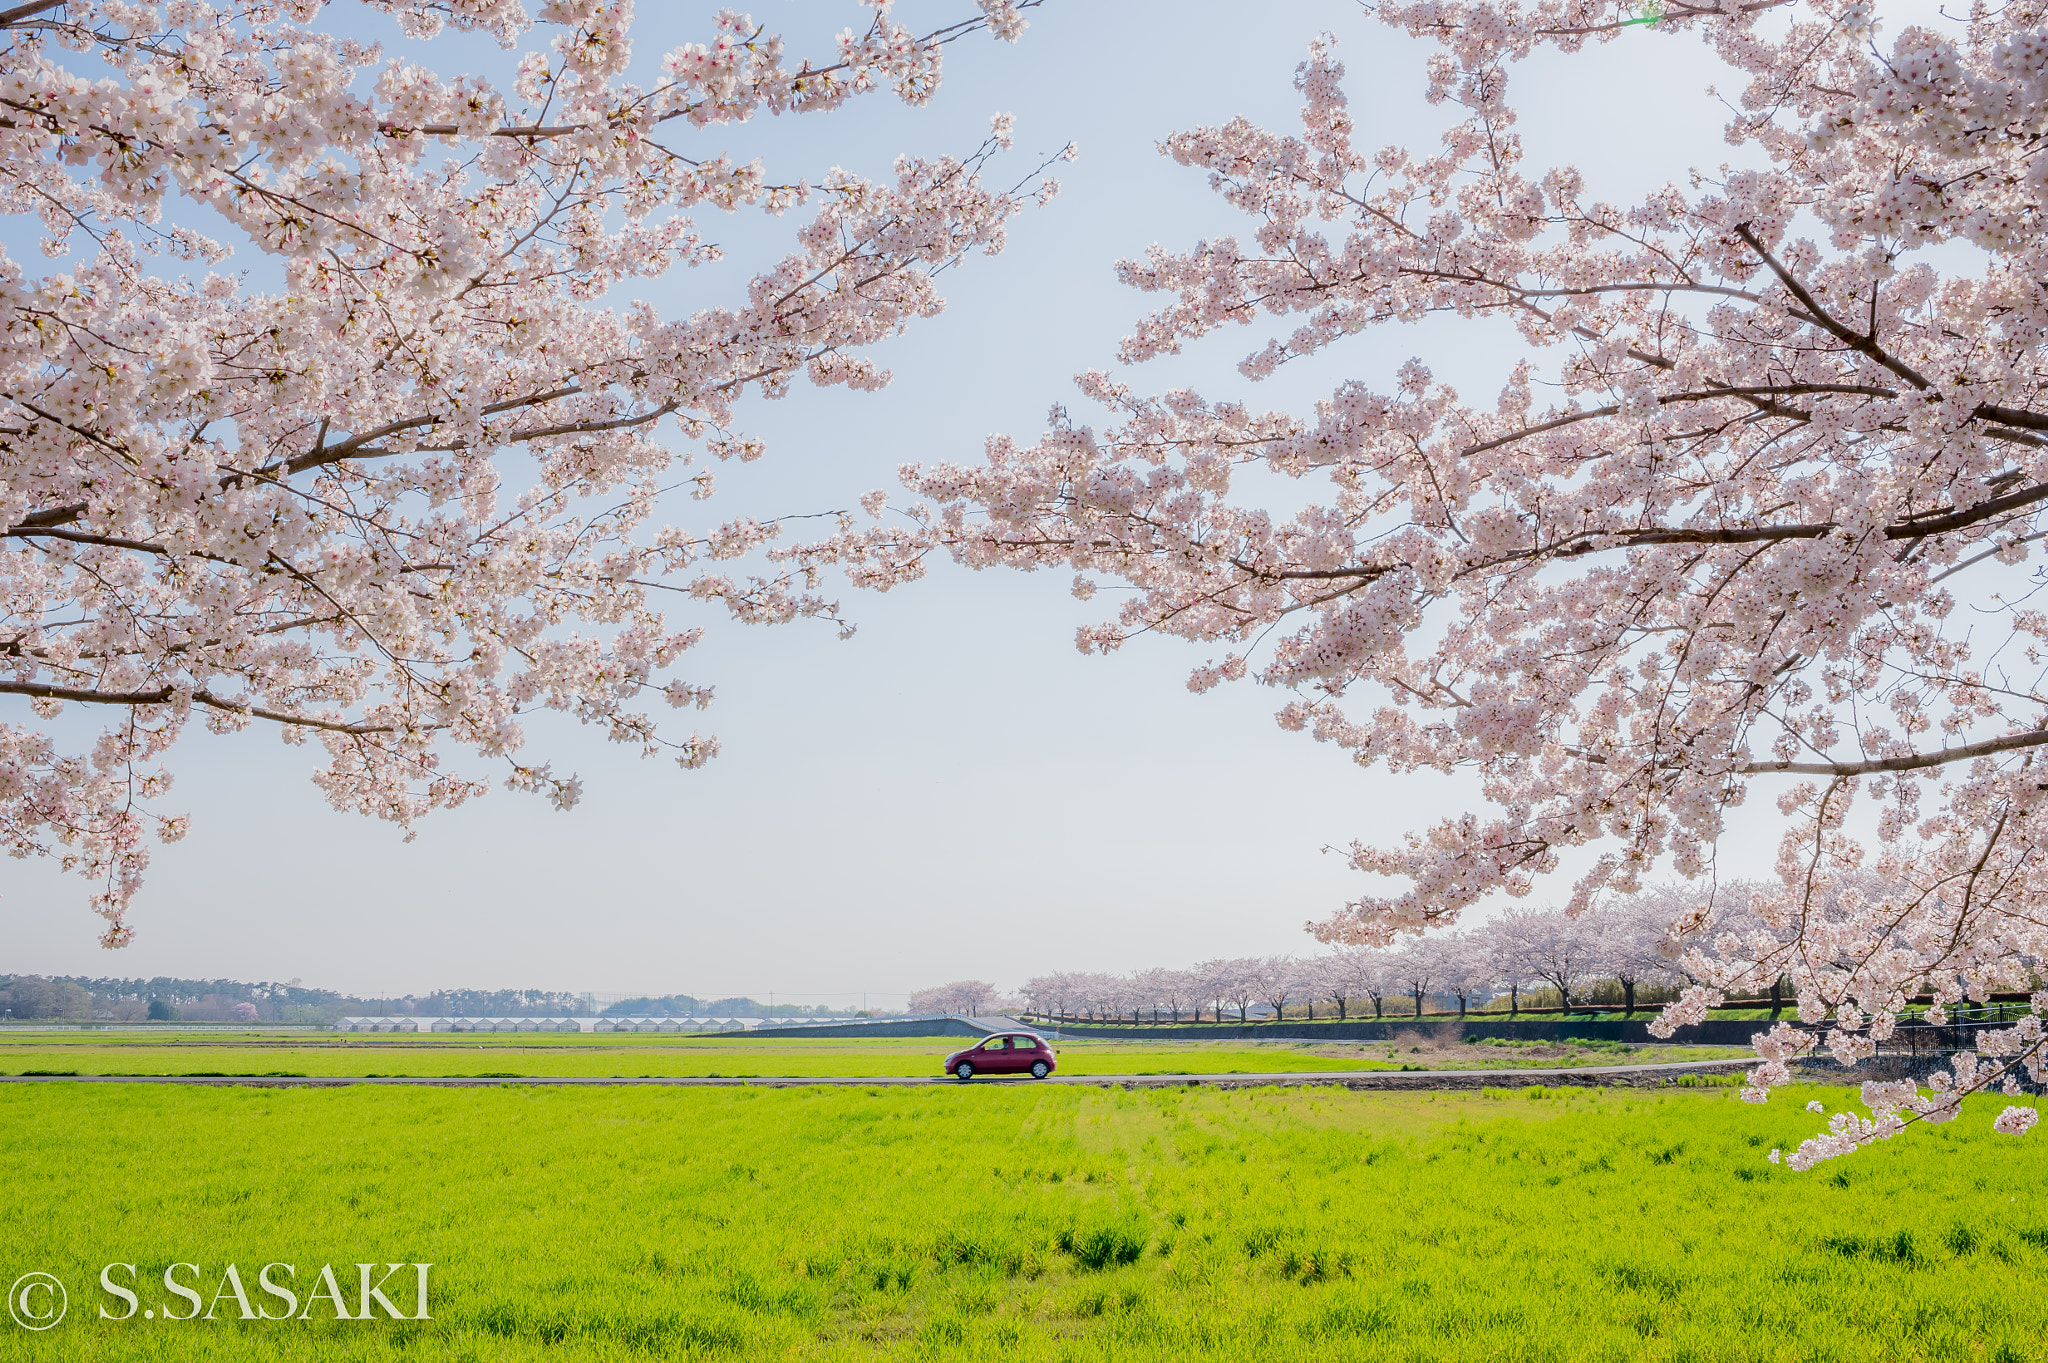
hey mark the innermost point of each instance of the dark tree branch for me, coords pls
(165, 695)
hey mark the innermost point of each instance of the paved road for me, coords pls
(1589, 1076)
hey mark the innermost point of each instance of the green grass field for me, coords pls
(741, 1056)
(1028, 1222)
(599, 1055)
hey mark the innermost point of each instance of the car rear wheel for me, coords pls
(1039, 1069)
(963, 1070)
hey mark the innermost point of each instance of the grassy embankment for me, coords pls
(1029, 1222)
(749, 1057)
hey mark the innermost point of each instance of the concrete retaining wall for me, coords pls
(1916, 1037)
(908, 1027)
(1441, 1031)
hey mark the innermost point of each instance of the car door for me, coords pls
(1024, 1050)
(995, 1056)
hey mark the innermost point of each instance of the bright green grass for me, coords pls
(731, 1057)
(1021, 1222)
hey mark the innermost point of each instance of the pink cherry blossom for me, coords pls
(1758, 514)
(405, 498)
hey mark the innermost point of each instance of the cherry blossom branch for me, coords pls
(1910, 762)
(298, 492)
(168, 695)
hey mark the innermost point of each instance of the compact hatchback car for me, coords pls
(1005, 1053)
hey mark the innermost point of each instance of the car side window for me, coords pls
(1024, 1043)
(997, 1044)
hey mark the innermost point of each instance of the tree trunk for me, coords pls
(1461, 1006)
(1418, 1003)
(1311, 1006)
(1242, 1008)
(1628, 992)
(1777, 995)
(1340, 1010)
(1514, 999)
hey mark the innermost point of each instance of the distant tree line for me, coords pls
(969, 998)
(165, 998)
(497, 1003)
(1619, 957)
(79, 998)
(687, 1005)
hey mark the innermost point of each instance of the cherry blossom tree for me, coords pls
(1321, 983)
(1359, 973)
(1050, 994)
(1098, 995)
(968, 997)
(1129, 996)
(1119, 997)
(1756, 514)
(1313, 982)
(1086, 993)
(1548, 945)
(1415, 966)
(1631, 945)
(1163, 988)
(1275, 980)
(1505, 965)
(1463, 968)
(1233, 981)
(280, 497)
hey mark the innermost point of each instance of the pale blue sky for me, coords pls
(954, 792)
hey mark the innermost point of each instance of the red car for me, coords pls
(1004, 1053)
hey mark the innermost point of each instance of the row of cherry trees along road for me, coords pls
(1777, 429)
(1625, 946)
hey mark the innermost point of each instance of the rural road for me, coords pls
(1589, 1076)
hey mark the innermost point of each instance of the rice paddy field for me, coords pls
(1018, 1221)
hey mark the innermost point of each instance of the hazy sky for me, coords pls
(955, 791)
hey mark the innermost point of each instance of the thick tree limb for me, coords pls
(10, 17)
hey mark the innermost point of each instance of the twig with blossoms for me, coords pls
(1896, 1104)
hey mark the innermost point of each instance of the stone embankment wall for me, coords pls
(1424, 1031)
(1917, 1037)
(958, 1026)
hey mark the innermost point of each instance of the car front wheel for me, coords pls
(1039, 1069)
(963, 1070)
